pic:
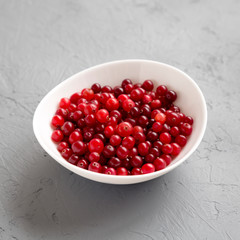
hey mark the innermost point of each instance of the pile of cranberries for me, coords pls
(126, 130)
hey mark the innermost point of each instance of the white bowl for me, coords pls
(190, 100)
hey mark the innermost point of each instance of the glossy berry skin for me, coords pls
(136, 95)
(161, 90)
(94, 157)
(96, 87)
(114, 162)
(75, 136)
(83, 164)
(67, 128)
(171, 96)
(95, 167)
(148, 85)
(107, 89)
(125, 129)
(79, 147)
(87, 93)
(165, 137)
(172, 119)
(147, 168)
(108, 151)
(102, 115)
(135, 112)
(64, 103)
(66, 153)
(57, 121)
(136, 161)
(109, 131)
(167, 148)
(118, 91)
(62, 145)
(110, 171)
(174, 131)
(150, 158)
(157, 127)
(73, 159)
(139, 137)
(128, 88)
(143, 148)
(122, 152)
(96, 145)
(167, 158)
(112, 104)
(159, 164)
(122, 171)
(115, 140)
(188, 120)
(57, 136)
(181, 140)
(186, 129)
(136, 171)
(176, 149)
(160, 117)
(75, 97)
(143, 121)
(128, 142)
(155, 104)
(62, 112)
(128, 104)
(126, 82)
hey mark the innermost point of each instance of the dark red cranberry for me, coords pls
(152, 136)
(181, 140)
(136, 161)
(82, 164)
(107, 89)
(62, 112)
(171, 96)
(143, 148)
(122, 152)
(186, 129)
(96, 87)
(126, 82)
(67, 128)
(74, 159)
(114, 162)
(62, 145)
(108, 151)
(66, 153)
(147, 85)
(150, 158)
(159, 164)
(136, 171)
(118, 91)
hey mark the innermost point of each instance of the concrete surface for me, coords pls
(44, 42)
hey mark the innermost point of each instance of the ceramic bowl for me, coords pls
(190, 100)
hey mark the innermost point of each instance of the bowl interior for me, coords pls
(190, 100)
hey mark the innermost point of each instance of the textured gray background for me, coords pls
(44, 42)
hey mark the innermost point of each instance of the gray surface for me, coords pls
(44, 42)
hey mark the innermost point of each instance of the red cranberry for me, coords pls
(126, 82)
(74, 159)
(189, 120)
(96, 87)
(66, 153)
(109, 131)
(150, 158)
(114, 162)
(62, 112)
(108, 151)
(167, 148)
(136, 95)
(110, 171)
(57, 121)
(102, 115)
(118, 91)
(165, 137)
(112, 104)
(62, 145)
(133, 152)
(128, 142)
(75, 136)
(72, 107)
(87, 93)
(176, 149)
(122, 171)
(57, 136)
(122, 152)
(128, 104)
(64, 103)
(143, 148)
(95, 145)
(172, 119)
(79, 147)
(186, 129)
(167, 158)
(171, 96)
(147, 85)
(95, 167)
(181, 140)
(94, 157)
(174, 131)
(82, 164)
(128, 88)
(115, 140)
(126, 163)
(136, 161)
(136, 171)
(161, 90)
(125, 129)
(147, 168)
(106, 89)
(160, 117)
(67, 128)
(139, 137)
(159, 164)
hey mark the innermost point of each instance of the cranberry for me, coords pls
(135, 112)
(132, 121)
(136, 95)
(72, 107)
(96, 87)
(95, 145)
(114, 162)
(125, 129)
(79, 147)
(118, 91)
(128, 104)
(167, 158)
(82, 164)
(186, 129)
(147, 85)
(110, 171)
(102, 115)
(128, 142)
(122, 152)
(57, 136)
(62, 145)
(143, 121)
(90, 109)
(94, 157)
(152, 136)
(121, 98)
(147, 168)
(147, 99)
(95, 167)
(115, 140)
(64, 103)
(112, 122)
(175, 109)
(108, 151)
(67, 128)
(181, 140)
(150, 158)
(154, 113)
(165, 137)
(137, 85)
(101, 137)
(87, 136)
(171, 96)
(159, 164)
(157, 127)
(90, 120)
(133, 152)
(57, 121)
(106, 89)
(126, 82)
(136, 171)
(74, 159)
(167, 148)
(62, 112)
(160, 117)
(75, 136)
(166, 128)
(122, 171)
(128, 88)
(136, 161)
(66, 153)
(189, 120)
(88, 93)
(109, 131)
(143, 148)
(161, 90)
(155, 151)
(112, 104)
(172, 119)
(137, 129)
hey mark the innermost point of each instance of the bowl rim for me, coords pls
(106, 178)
